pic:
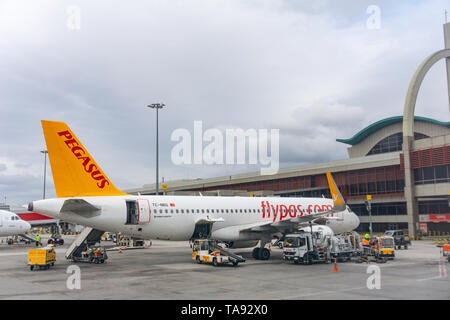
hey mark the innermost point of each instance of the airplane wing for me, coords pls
(284, 226)
(292, 224)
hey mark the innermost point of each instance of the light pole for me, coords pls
(45, 168)
(157, 106)
(369, 209)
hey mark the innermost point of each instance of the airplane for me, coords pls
(35, 219)
(11, 224)
(86, 196)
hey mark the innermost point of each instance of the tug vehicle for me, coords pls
(41, 258)
(384, 246)
(381, 248)
(92, 255)
(209, 251)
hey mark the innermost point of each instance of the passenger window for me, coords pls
(171, 210)
(182, 211)
(187, 210)
(167, 211)
(198, 210)
(226, 210)
(203, 210)
(176, 210)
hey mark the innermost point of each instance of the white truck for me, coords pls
(306, 247)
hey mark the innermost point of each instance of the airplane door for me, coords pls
(144, 211)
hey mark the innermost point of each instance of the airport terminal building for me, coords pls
(375, 167)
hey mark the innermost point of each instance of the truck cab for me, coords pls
(306, 247)
(384, 247)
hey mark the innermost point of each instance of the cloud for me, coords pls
(311, 69)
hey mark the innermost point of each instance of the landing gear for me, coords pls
(261, 254)
(264, 254)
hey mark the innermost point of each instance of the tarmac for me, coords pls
(166, 271)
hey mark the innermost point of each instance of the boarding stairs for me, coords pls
(24, 236)
(87, 238)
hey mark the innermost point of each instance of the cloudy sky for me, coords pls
(312, 69)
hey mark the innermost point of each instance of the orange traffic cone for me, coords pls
(335, 266)
(120, 250)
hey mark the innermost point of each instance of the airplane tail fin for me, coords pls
(338, 199)
(75, 172)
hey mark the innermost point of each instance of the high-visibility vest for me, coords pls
(38, 238)
(365, 242)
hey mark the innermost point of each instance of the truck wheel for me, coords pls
(406, 247)
(31, 268)
(235, 263)
(215, 264)
(197, 258)
(295, 261)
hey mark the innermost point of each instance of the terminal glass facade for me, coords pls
(393, 143)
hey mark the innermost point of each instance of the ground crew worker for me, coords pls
(365, 241)
(38, 238)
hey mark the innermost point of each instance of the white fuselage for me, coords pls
(11, 224)
(175, 217)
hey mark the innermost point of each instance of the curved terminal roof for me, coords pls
(367, 131)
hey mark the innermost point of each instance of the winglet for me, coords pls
(338, 199)
(75, 172)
